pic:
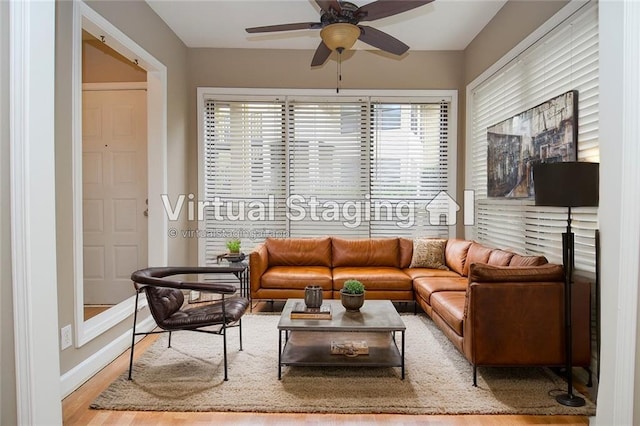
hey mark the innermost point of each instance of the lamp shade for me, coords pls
(566, 184)
(340, 36)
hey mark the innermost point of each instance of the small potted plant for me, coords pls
(233, 246)
(352, 295)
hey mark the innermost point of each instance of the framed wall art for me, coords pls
(543, 134)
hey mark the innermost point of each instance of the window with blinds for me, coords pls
(327, 169)
(564, 59)
(409, 168)
(244, 174)
(355, 168)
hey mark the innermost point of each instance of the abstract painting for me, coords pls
(545, 133)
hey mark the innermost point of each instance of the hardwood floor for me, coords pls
(91, 311)
(76, 409)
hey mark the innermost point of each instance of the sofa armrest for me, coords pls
(522, 323)
(258, 264)
(511, 323)
(482, 272)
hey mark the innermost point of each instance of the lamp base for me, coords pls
(570, 400)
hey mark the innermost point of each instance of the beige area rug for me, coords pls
(189, 377)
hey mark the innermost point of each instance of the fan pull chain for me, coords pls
(339, 70)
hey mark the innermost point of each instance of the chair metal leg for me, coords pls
(224, 346)
(240, 331)
(169, 340)
(133, 334)
(224, 336)
(475, 376)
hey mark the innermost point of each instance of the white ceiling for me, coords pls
(441, 25)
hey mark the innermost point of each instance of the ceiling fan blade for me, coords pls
(327, 5)
(321, 55)
(383, 8)
(382, 40)
(285, 27)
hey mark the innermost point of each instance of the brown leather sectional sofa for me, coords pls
(498, 308)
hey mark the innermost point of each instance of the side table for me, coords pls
(239, 269)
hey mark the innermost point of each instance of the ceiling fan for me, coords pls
(339, 25)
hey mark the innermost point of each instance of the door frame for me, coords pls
(89, 20)
(115, 88)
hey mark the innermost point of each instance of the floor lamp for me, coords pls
(567, 184)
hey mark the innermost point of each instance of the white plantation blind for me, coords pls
(328, 169)
(306, 166)
(409, 168)
(565, 59)
(244, 174)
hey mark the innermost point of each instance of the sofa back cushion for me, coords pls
(477, 254)
(406, 251)
(518, 260)
(366, 252)
(456, 254)
(299, 251)
(500, 258)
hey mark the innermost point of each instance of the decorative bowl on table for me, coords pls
(231, 257)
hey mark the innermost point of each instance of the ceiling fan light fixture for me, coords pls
(341, 35)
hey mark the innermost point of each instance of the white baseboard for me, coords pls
(74, 378)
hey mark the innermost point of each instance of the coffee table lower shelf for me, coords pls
(313, 348)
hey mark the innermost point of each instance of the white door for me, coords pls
(114, 175)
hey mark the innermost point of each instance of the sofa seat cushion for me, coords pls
(299, 251)
(365, 252)
(428, 272)
(373, 277)
(449, 305)
(426, 287)
(297, 277)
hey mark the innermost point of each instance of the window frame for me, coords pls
(319, 95)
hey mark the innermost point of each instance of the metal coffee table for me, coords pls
(307, 342)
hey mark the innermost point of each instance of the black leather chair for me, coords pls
(165, 299)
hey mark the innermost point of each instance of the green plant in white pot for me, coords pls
(233, 246)
(352, 295)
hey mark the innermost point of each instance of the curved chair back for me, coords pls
(163, 302)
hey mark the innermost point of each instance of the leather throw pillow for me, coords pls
(428, 253)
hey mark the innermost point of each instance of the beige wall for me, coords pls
(291, 69)
(8, 409)
(514, 22)
(141, 24)
(101, 64)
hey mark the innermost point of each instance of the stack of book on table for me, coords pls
(350, 348)
(300, 311)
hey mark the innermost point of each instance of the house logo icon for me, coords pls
(443, 209)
